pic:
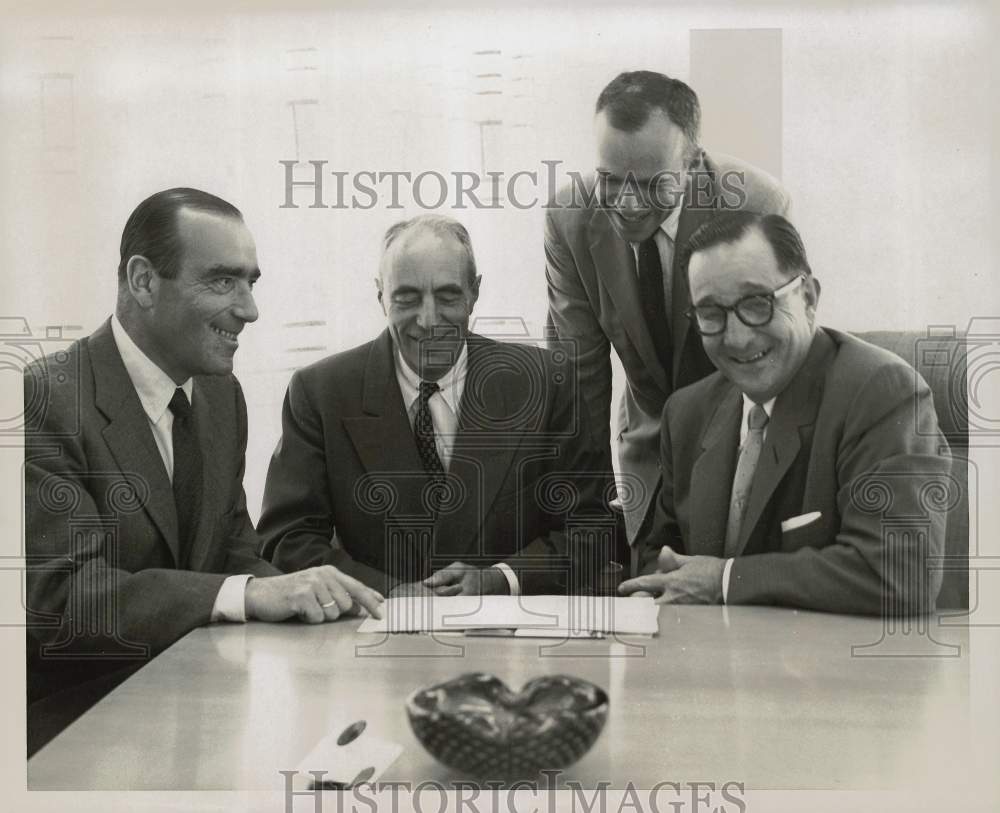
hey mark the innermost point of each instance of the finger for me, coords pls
(307, 608)
(642, 594)
(650, 583)
(669, 559)
(327, 601)
(368, 598)
(441, 577)
(449, 590)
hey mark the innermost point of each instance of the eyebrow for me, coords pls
(233, 271)
(743, 292)
(406, 290)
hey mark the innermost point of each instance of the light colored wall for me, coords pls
(886, 137)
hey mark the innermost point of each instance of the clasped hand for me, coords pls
(680, 579)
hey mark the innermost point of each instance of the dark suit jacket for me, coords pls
(855, 437)
(347, 467)
(594, 302)
(104, 588)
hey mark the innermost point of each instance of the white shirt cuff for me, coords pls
(512, 582)
(725, 580)
(230, 603)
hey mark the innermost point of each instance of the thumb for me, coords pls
(669, 559)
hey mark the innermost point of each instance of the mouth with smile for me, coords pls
(753, 359)
(228, 335)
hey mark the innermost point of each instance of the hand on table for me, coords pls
(680, 579)
(303, 594)
(460, 579)
(410, 589)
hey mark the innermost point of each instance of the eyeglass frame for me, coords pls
(771, 296)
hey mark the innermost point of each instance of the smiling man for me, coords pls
(426, 461)
(612, 253)
(135, 516)
(774, 466)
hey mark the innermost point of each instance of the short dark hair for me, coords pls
(730, 227)
(440, 226)
(632, 96)
(151, 230)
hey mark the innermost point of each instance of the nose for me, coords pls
(427, 315)
(245, 308)
(737, 336)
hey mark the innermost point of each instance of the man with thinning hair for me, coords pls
(135, 516)
(428, 461)
(770, 463)
(612, 252)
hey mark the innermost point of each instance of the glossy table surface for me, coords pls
(769, 697)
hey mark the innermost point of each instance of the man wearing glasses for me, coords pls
(771, 465)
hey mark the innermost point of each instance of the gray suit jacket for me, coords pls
(594, 304)
(853, 437)
(104, 588)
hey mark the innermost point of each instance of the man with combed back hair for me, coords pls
(770, 464)
(136, 524)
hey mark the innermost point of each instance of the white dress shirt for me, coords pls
(748, 405)
(444, 407)
(155, 389)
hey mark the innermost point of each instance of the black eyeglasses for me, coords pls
(755, 310)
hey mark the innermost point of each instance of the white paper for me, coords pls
(574, 614)
(363, 759)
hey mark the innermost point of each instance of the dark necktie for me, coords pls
(187, 473)
(652, 298)
(743, 480)
(423, 429)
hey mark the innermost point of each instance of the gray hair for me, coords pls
(438, 225)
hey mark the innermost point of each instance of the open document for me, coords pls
(557, 615)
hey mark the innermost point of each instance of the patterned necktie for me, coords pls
(745, 467)
(423, 429)
(653, 301)
(187, 478)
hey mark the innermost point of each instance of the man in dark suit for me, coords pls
(787, 473)
(136, 523)
(431, 460)
(612, 252)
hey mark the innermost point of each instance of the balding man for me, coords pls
(429, 460)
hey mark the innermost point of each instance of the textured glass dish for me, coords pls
(476, 724)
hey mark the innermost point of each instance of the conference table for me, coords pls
(769, 697)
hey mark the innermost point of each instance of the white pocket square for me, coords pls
(801, 520)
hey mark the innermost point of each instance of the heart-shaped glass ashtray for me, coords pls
(476, 724)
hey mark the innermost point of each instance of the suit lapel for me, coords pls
(482, 454)
(794, 410)
(712, 476)
(128, 434)
(383, 437)
(615, 264)
(696, 212)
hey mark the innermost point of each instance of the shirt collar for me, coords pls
(452, 383)
(749, 404)
(153, 386)
(669, 226)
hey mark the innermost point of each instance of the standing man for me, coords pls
(135, 516)
(431, 460)
(612, 255)
(780, 468)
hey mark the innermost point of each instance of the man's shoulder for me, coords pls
(753, 188)
(573, 204)
(694, 402)
(859, 365)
